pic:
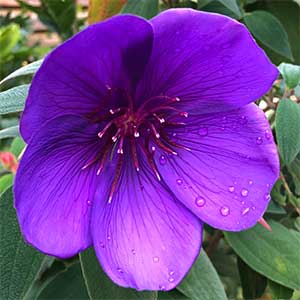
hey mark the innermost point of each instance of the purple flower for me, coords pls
(138, 132)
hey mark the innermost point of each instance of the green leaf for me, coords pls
(99, 286)
(228, 4)
(5, 182)
(279, 291)
(13, 100)
(9, 37)
(19, 263)
(26, 70)
(143, 8)
(17, 146)
(253, 283)
(100, 10)
(202, 282)
(294, 170)
(67, 285)
(9, 132)
(288, 129)
(290, 74)
(272, 254)
(274, 208)
(268, 30)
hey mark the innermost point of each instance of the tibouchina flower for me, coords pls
(138, 132)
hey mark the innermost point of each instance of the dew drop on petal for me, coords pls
(203, 131)
(171, 273)
(245, 211)
(120, 270)
(89, 202)
(162, 287)
(259, 140)
(199, 201)
(133, 251)
(162, 160)
(244, 192)
(243, 120)
(102, 245)
(156, 259)
(224, 211)
(171, 279)
(108, 237)
(231, 189)
(250, 182)
(267, 196)
(268, 134)
(179, 181)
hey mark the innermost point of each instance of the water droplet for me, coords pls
(231, 189)
(156, 259)
(171, 279)
(102, 245)
(89, 202)
(253, 207)
(250, 182)
(259, 140)
(120, 270)
(171, 273)
(244, 192)
(179, 181)
(245, 211)
(267, 196)
(162, 160)
(162, 287)
(243, 120)
(133, 251)
(268, 134)
(224, 211)
(199, 201)
(203, 131)
(108, 237)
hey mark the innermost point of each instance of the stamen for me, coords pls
(103, 131)
(174, 144)
(134, 154)
(116, 179)
(164, 147)
(117, 134)
(120, 149)
(154, 130)
(136, 133)
(161, 120)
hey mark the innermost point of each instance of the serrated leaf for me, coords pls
(272, 254)
(143, 8)
(102, 9)
(290, 74)
(13, 100)
(68, 285)
(99, 286)
(19, 263)
(202, 282)
(269, 31)
(288, 129)
(9, 132)
(26, 70)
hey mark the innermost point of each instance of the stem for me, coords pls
(155, 295)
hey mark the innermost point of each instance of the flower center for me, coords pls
(141, 127)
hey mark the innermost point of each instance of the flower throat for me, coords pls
(141, 127)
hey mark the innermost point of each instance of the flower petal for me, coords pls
(227, 176)
(144, 238)
(209, 61)
(52, 192)
(77, 76)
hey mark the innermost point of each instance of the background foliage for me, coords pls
(253, 264)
